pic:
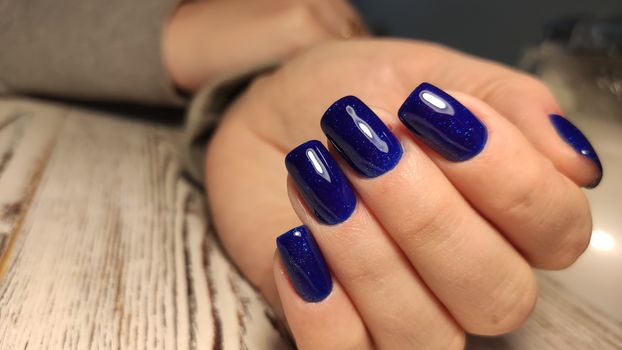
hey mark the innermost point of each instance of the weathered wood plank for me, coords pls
(25, 142)
(111, 250)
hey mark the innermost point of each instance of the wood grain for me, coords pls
(105, 245)
(109, 242)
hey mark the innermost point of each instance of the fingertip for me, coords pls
(531, 106)
(555, 137)
(304, 263)
(329, 323)
(589, 172)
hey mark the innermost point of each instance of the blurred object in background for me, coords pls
(499, 30)
(580, 59)
(587, 35)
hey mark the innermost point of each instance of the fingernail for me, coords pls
(575, 138)
(443, 123)
(304, 264)
(361, 137)
(320, 182)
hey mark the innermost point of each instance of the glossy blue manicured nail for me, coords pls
(575, 138)
(361, 137)
(443, 123)
(305, 264)
(320, 182)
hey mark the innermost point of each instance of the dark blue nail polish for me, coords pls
(361, 137)
(575, 138)
(320, 182)
(305, 264)
(443, 123)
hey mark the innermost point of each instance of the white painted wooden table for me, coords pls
(103, 245)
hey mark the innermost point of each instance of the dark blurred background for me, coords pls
(499, 30)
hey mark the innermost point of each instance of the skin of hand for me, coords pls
(434, 248)
(206, 39)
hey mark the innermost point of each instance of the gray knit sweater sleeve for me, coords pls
(86, 49)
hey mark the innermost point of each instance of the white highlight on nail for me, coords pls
(365, 129)
(316, 163)
(434, 100)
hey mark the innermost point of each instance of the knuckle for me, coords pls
(302, 18)
(510, 309)
(523, 195)
(511, 83)
(568, 251)
(365, 273)
(302, 13)
(363, 269)
(439, 213)
(522, 308)
(553, 215)
(535, 86)
(384, 74)
(538, 91)
(396, 323)
(578, 233)
(567, 234)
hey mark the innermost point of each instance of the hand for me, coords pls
(432, 247)
(208, 39)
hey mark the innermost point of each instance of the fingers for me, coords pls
(531, 107)
(330, 323)
(397, 308)
(484, 283)
(339, 17)
(546, 216)
(523, 100)
(462, 174)
(277, 28)
(449, 205)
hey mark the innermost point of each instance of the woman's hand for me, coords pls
(209, 38)
(427, 235)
